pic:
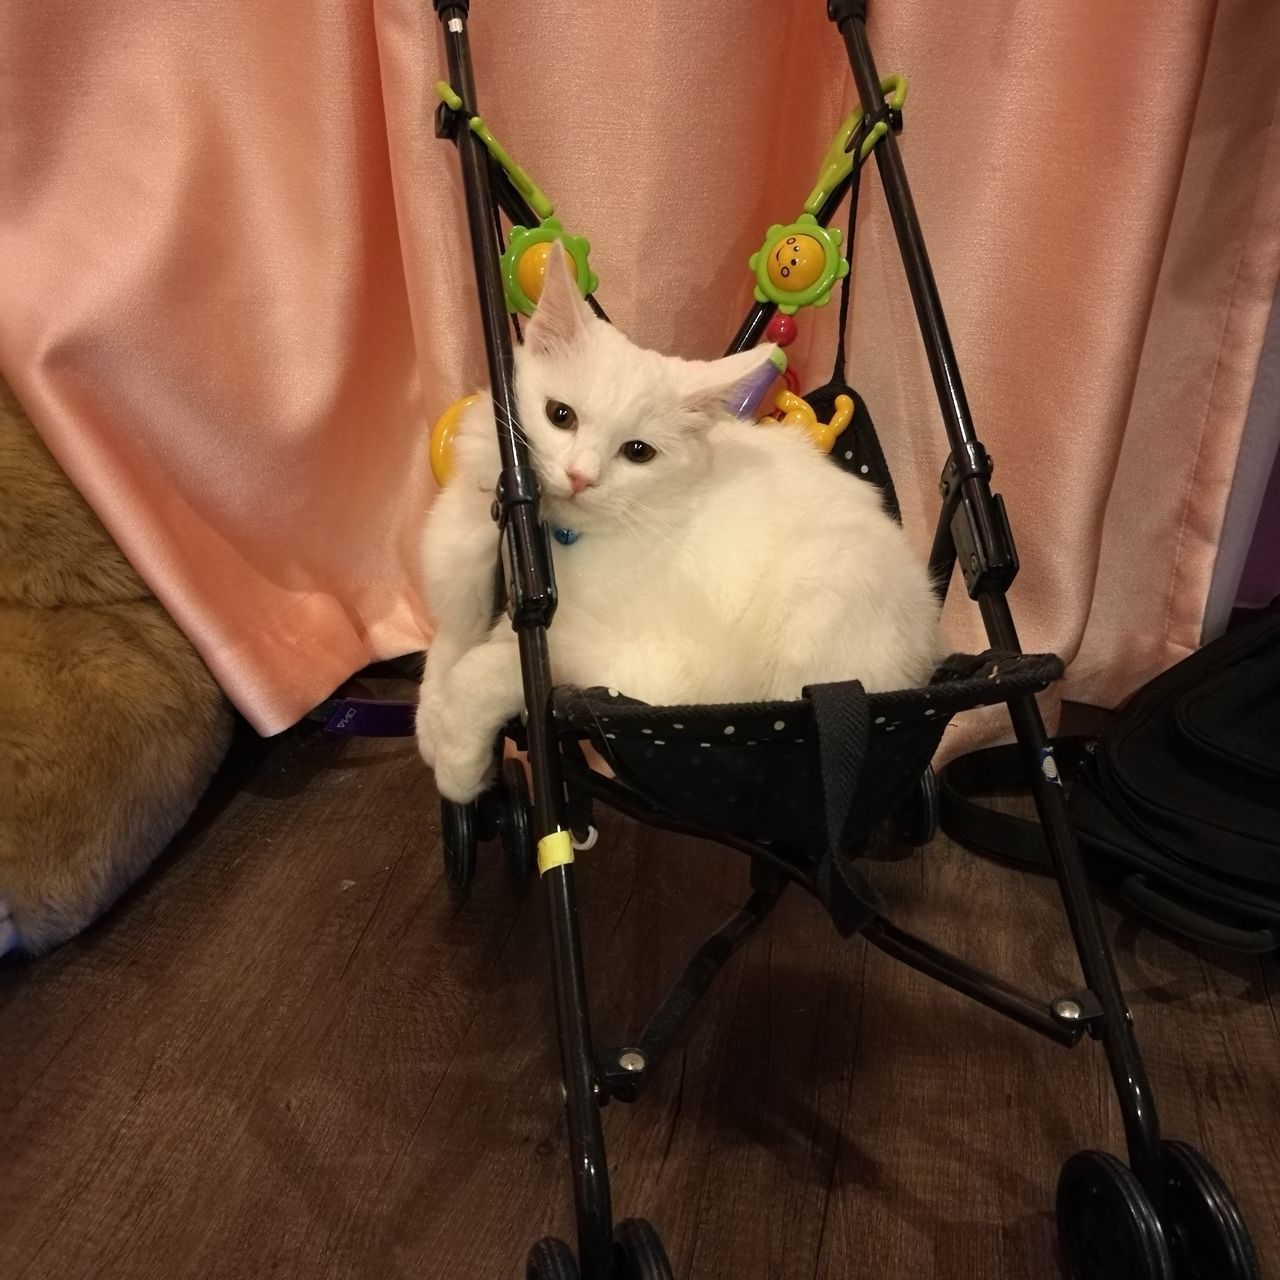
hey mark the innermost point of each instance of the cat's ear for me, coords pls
(707, 384)
(560, 319)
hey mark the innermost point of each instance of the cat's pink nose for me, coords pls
(577, 482)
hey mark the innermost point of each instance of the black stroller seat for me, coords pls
(768, 772)
(799, 785)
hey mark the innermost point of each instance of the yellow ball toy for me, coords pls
(524, 263)
(531, 269)
(796, 263)
(442, 434)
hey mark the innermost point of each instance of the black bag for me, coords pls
(1177, 804)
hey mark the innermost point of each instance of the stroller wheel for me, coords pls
(1107, 1227)
(1206, 1234)
(638, 1252)
(515, 827)
(458, 832)
(551, 1259)
(917, 817)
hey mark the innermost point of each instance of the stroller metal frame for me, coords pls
(972, 532)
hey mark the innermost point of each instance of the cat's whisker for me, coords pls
(645, 517)
(637, 520)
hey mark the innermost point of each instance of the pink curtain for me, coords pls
(235, 287)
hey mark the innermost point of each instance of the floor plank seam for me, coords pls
(389, 875)
(1270, 997)
(675, 1113)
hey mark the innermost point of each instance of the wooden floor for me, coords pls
(291, 1052)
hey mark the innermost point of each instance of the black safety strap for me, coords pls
(989, 772)
(846, 285)
(1189, 904)
(843, 722)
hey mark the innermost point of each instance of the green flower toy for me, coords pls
(524, 264)
(798, 264)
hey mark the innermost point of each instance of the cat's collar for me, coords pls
(565, 537)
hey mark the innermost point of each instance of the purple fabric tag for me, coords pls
(371, 718)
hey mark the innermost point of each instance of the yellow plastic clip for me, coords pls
(837, 164)
(798, 412)
(555, 850)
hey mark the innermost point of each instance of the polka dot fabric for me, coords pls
(857, 448)
(752, 770)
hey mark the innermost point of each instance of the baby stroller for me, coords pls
(798, 786)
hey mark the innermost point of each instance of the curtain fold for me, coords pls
(235, 287)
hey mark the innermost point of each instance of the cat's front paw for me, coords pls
(425, 728)
(464, 768)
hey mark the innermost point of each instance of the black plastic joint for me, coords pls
(520, 484)
(984, 546)
(842, 11)
(527, 569)
(974, 463)
(442, 7)
(448, 122)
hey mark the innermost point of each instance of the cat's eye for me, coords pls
(560, 415)
(638, 451)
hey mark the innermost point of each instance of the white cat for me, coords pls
(706, 559)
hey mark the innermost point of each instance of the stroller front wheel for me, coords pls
(638, 1252)
(1107, 1226)
(1207, 1236)
(917, 818)
(458, 842)
(515, 826)
(551, 1259)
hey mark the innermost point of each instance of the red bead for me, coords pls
(782, 330)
